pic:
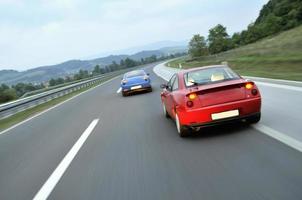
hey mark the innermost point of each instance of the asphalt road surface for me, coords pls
(134, 152)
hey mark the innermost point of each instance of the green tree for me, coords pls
(102, 71)
(96, 70)
(279, 15)
(142, 61)
(236, 40)
(52, 82)
(7, 93)
(107, 69)
(114, 66)
(198, 46)
(60, 81)
(271, 25)
(129, 63)
(219, 40)
(253, 33)
(22, 88)
(122, 63)
(67, 79)
(151, 59)
(3, 87)
(81, 74)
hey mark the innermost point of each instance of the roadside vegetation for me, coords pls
(270, 47)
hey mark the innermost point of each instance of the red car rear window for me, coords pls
(209, 75)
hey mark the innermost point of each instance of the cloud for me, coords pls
(43, 32)
(10, 2)
(51, 27)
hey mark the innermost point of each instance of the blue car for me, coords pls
(135, 81)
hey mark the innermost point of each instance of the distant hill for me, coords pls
(108, 60)
(44, 73)
(8, 74)
(173, 50)
(151, 46)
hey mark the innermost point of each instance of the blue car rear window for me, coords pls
(134, 74)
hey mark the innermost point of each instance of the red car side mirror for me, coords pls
(164, 86)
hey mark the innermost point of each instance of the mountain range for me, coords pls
(44, 73)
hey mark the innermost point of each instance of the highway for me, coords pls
(124, 148)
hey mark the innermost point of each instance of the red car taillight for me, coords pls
(191, 98)
(190, 104)
(251, 87)
(254, 92)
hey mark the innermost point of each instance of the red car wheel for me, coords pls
(182, 131)
(165, 111)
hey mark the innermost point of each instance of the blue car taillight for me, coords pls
(124, 82)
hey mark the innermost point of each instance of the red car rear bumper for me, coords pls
(203, 116)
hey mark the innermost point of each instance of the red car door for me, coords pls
(173, 94)
(167, 96)
(170, 95)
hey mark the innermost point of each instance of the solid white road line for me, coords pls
(281, 81)
(54, 178)
(279, 136)
(119, 90)
(287, 87)
(28, 119)
(159, 73)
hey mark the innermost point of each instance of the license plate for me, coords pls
(223, 115)
(136, 87)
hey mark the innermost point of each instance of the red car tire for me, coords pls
(182, 130)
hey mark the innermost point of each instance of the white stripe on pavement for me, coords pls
(119, 90)
(54, 178)
(279, 136)
(287, 87)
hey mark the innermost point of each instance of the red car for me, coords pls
(207, 96)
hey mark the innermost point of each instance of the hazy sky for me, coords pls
(42, 32)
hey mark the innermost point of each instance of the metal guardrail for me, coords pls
(11, 108)
(31, 93)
